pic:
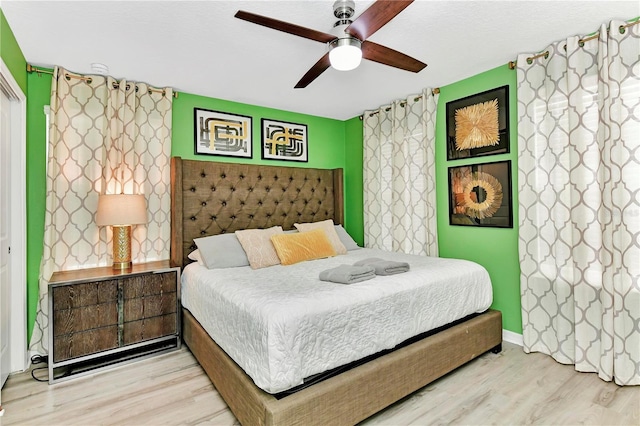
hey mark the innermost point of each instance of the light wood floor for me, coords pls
(508, 388)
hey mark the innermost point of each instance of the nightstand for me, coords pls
(101, 317)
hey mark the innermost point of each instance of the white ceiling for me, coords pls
(199, 47)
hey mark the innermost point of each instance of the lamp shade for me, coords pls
(345, 54)
(121, 209)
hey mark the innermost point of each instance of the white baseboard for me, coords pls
(511, 337)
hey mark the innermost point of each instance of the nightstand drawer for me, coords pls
(149, 328)
(70, 321)
(149, 306)
(149, 285)
(89, 294)
(88, 342)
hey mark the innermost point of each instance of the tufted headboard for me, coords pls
(210, 198)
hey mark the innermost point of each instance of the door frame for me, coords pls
(18, 219)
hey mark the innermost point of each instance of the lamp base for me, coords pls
(122, 247)
(118, 266)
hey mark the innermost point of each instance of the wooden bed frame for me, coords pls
(209, 198)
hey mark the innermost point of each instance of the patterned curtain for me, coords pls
(399, 176)
(105, 137)
(579, 195)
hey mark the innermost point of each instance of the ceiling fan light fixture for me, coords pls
(345, 41)
(345, 53)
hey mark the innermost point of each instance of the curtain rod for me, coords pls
(403, 103)
(31, 68)
(622, 28)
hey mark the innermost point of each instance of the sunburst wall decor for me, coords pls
(480, 195)
(492, 199)
(477, 125)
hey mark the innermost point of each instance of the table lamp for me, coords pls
(121, 211)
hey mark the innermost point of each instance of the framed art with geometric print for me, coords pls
(478, 124)
(284, 141)
(480, 195)
(224, 134)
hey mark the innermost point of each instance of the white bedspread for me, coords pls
(282, 324)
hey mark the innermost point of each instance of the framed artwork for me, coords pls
(478, 124)
(480, 195)
(284, 141)
(224, 134)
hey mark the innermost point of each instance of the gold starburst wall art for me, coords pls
(480, 195)
(492, 200)
(477, 125)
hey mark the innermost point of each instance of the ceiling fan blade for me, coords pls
(375, 17)
(384, 55)
(315, 71)
(285, 27)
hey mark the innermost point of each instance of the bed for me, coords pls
(211, 198)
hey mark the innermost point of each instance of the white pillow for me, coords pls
(221, 251)
(346, 239)
(328, 227)
(196, 257)
(258, 246)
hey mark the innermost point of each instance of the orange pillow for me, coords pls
(294, 248)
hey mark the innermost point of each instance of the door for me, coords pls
(5, 294)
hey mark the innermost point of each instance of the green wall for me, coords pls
(353, 201)
(37, 97)
(494, 248)
(12, 54)
(326, 136)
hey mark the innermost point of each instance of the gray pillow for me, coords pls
(345, 238)
(222, 251)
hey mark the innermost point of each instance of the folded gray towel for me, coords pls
(384, 267)
(348, 274)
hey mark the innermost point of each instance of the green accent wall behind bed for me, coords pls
(325, 135)
(331, 145)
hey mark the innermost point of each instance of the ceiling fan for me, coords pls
(347, 42)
